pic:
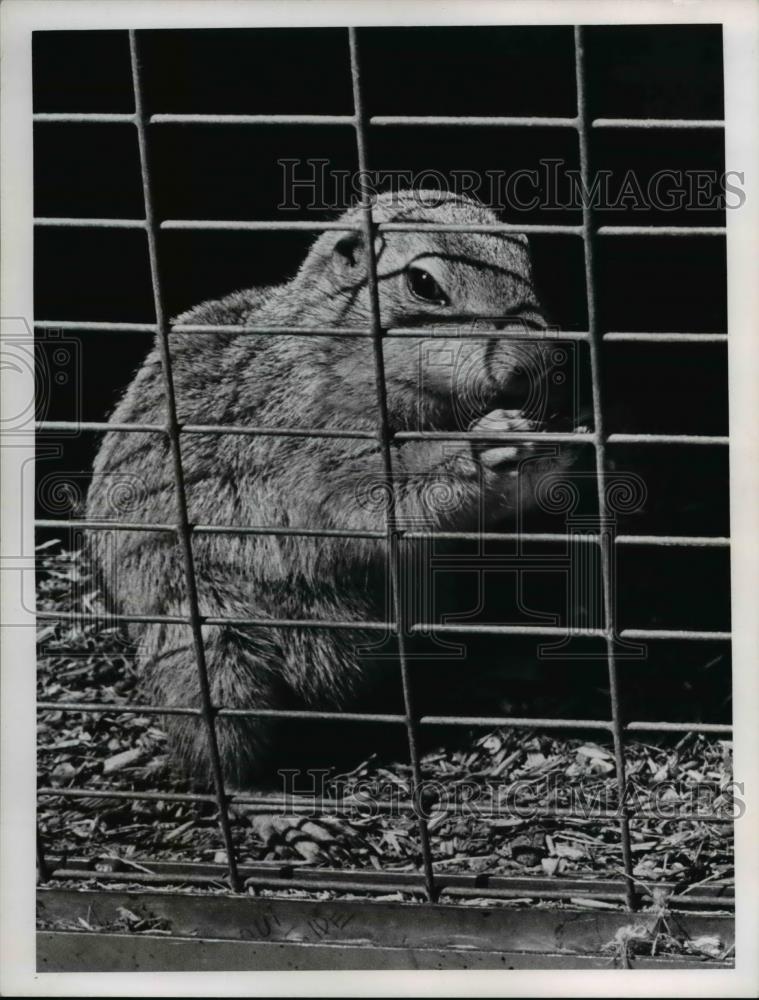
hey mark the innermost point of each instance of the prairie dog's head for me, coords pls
(464, 283)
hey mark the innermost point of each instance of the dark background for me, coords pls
(227, 172)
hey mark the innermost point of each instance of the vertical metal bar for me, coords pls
(393, 535)
(183, 532)
(583, 129)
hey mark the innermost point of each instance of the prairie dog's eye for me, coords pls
(422, 285)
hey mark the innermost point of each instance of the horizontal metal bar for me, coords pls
(213, 529)
(461, 629)
(716, 728)
(449, 330)
(661, 231)
(663, 633)
(306, 432)
(541, 436)
(562, 437)
(666, 541)
(511, 722)
(381, 718)
(302, 876)
(97, 708)
(44, 426)
(499, 536)
(368, 881)
(270, 225)
(476, 121)
(105, 426)
(191, 119)
(661, 541)
(497, 121)
(116, 793)
(262, 881)
(443, 332)
(72, 873)
(207, 529)
(644, 123)
(690, 541)
(273, 331)
(73, 524)
(705, 439)
(258, 226)
(461, 893)
(446, 331)
(631, 633)
(90, 618)
(464, 332)
(528, 722)
(665, 338)
(90, 118)
(493, 227)
(388, 227)
(82, 223)
(306, 623)
(419, 628)
(456, 892)
(86, 325)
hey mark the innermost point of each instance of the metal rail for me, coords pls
(431, 882)
(388, 627)
(384, 718)
(184, 538)
(272, 225)
(482, 121)
(86, 326)
(559, 437)
(583, 123)
(162, 872)
(393, 541)
(665, 541)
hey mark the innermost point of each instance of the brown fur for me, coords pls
(315, 382)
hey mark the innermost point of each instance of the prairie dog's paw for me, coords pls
(493, 453)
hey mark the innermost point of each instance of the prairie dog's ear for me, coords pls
(348, 253)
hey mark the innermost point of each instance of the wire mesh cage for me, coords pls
(278, 899)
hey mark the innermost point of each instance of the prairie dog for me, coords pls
(319, 383)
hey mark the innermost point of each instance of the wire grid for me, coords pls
(393, 535)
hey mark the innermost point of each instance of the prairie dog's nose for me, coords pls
(517, 391)
(519, 374)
